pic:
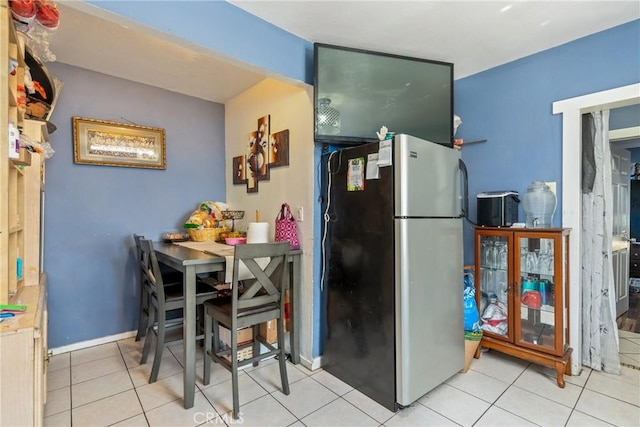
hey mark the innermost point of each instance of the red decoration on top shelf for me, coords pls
(47, 14)
(44, 12)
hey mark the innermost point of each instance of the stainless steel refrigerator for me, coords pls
(393, 267)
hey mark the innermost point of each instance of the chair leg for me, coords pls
(282, 357)
(206, 374)
(234, 373)
(143, 316)
(159, 345)
(216, 338)
(149, 336)
(256, 343)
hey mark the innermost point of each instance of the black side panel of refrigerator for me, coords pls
(359, 345)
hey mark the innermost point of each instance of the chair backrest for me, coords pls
(151, 273)
(269, 282)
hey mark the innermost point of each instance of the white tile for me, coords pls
(339, 413)
(627, 334)
(579, 419)
(92, 354)
(269, 376)
(629, 375)
(608, 409)
(455, 404)
(178, 351)
(418, 415)
(581, 379)
(58, 401)
(533, 408)
(307, 395)
(630, 359)
(306, 371)
(99, 388)
(58, 379)
(174, 414)
(132, 358)
(499, 366)
(264, 411)
(221, 395)
(629, 346)
(97, 368)
(332, 383)
(168, 366)
(219, 374)
(615, 386)
(137, 421)
(478, 385)
(107, 411)
(547, 387)
(162, 391)
(63, 419)
(128, 345)
(368, 406)
(496, 417)
(59, 361)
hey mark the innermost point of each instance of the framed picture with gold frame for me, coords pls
(105, 143)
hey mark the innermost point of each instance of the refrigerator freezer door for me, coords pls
(359, 331)
(427, 179)
(429, 317)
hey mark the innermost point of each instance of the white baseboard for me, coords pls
(92, 343)
(312, 365)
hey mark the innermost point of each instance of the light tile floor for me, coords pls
(105, 385)
(629, 348)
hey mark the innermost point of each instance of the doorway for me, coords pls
(572, 110)
(628, 320)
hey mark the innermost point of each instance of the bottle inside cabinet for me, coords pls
(536, 297)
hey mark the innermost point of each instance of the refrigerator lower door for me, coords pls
(429, 316)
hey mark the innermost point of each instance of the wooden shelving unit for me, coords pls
(23, 338)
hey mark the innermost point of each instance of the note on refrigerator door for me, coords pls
(373, 172)
(384, 153)
(355, 174)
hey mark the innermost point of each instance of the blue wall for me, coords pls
(511, 107)
(91, 212)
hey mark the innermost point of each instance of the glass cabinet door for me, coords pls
(534, 300)
(494, 284)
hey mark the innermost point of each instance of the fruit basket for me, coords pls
(206, 234)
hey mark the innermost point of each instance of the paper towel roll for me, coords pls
(258, 232)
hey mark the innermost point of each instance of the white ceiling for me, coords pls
(474, 35)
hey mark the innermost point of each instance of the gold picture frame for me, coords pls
(105, 143)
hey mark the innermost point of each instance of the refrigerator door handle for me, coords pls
(465, 183)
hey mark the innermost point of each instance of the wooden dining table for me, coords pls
(192, 262)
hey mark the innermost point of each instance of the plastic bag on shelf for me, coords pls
(494, 318)
(471, 316)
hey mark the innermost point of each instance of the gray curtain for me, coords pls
(599, 329)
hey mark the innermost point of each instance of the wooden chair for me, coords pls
(169, 278)
(161, 300)
(262, 299)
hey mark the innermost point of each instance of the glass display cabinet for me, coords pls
(522, 282)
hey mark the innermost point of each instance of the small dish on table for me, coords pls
(235, 241)
(173, 237)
